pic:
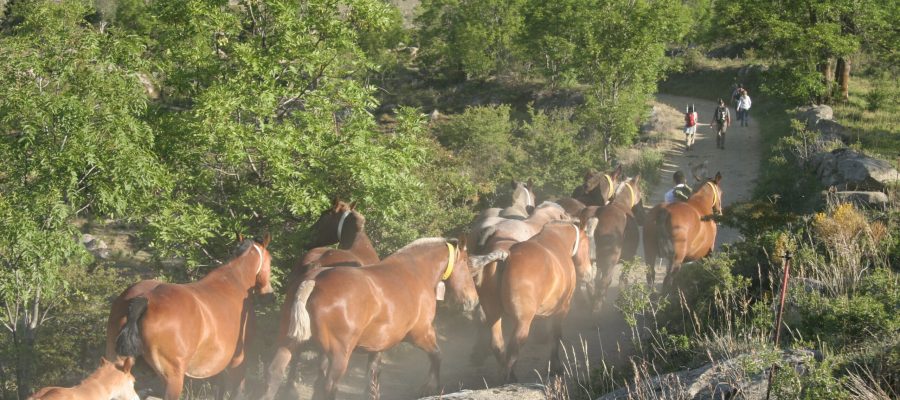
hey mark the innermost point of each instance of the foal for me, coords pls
(108, 382)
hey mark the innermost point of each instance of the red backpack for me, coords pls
(690, 119)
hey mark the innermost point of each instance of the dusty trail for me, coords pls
(405, 367)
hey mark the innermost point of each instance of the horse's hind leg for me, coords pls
(427, 341)
(174, 385)
(374, 370)
(277, 369)
(555, 361)
(335, 370)
(520, 327)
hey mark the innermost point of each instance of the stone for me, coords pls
(739, 377)
(508, 392)
(811, 115)
(846, 169)
(863, 199)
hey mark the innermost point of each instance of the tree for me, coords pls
(478, 38)
(73, 143)
(615, 48)
(812, 42)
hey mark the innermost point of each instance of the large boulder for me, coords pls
(820, 119)
(508, 392)
(862, 199)
(846, 169)
(743, 377)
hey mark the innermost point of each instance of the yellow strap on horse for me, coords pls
(611, 190)
(633, 197)
(715, 193)
(450, 262)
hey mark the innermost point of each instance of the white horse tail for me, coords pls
(299, 328)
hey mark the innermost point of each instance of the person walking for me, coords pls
(681, 191)
(690, 126)
(743, 108)
(736, 94)
(721, 120)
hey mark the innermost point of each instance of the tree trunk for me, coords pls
(23, 339)
(843, 75)
(827, 70)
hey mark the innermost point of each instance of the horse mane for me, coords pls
(420, 243)
(242, 248)
(548, 203)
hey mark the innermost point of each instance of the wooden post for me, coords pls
(784, 284)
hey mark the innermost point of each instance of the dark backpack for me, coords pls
(721, 114)
(683, 193)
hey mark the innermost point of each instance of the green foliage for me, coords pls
(476, 38)
(555, 154)
(483, 138)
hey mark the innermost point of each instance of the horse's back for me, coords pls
(349, 303)
(535, 277)
(119, 309)
(51, 393)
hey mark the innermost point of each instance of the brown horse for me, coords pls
(197, 329)
(617, 235)
(523, 202)
(597, 190)
(343, 225)
(375, 307)
(682, 231)
(539, 279)
(108, 382)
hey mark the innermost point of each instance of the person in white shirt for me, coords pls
(681, 191)
(743, 108)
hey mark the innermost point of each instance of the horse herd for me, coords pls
(515, 264)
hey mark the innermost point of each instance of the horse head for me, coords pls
(523, 195)
(263, 267)
(459, 276)
(714, 191)
(629, 193)
(118, 379)
(598, 188)
(334, 222)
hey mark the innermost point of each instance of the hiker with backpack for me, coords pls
(736, 94)
(722, 119)
(681, 191)
(690, 126)
(743, 108)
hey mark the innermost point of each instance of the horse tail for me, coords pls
(665, 244)
(129, 342)
(300, 328)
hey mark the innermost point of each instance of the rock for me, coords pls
(508, 392)
(846, 169)
(97, 247)
(863, 199)
(741, 377)
(811, 115)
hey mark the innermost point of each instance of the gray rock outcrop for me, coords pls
(741, 377)
(508, 392)
(846, 169)
(862, 199)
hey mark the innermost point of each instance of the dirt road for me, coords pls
(405, 367)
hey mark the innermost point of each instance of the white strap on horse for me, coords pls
(577, 239)
(529, 201)
(341, 224)
(258, 250)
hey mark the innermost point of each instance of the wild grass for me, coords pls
(872, 115)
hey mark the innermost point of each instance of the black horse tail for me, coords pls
(129, 342)
(665, 244)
